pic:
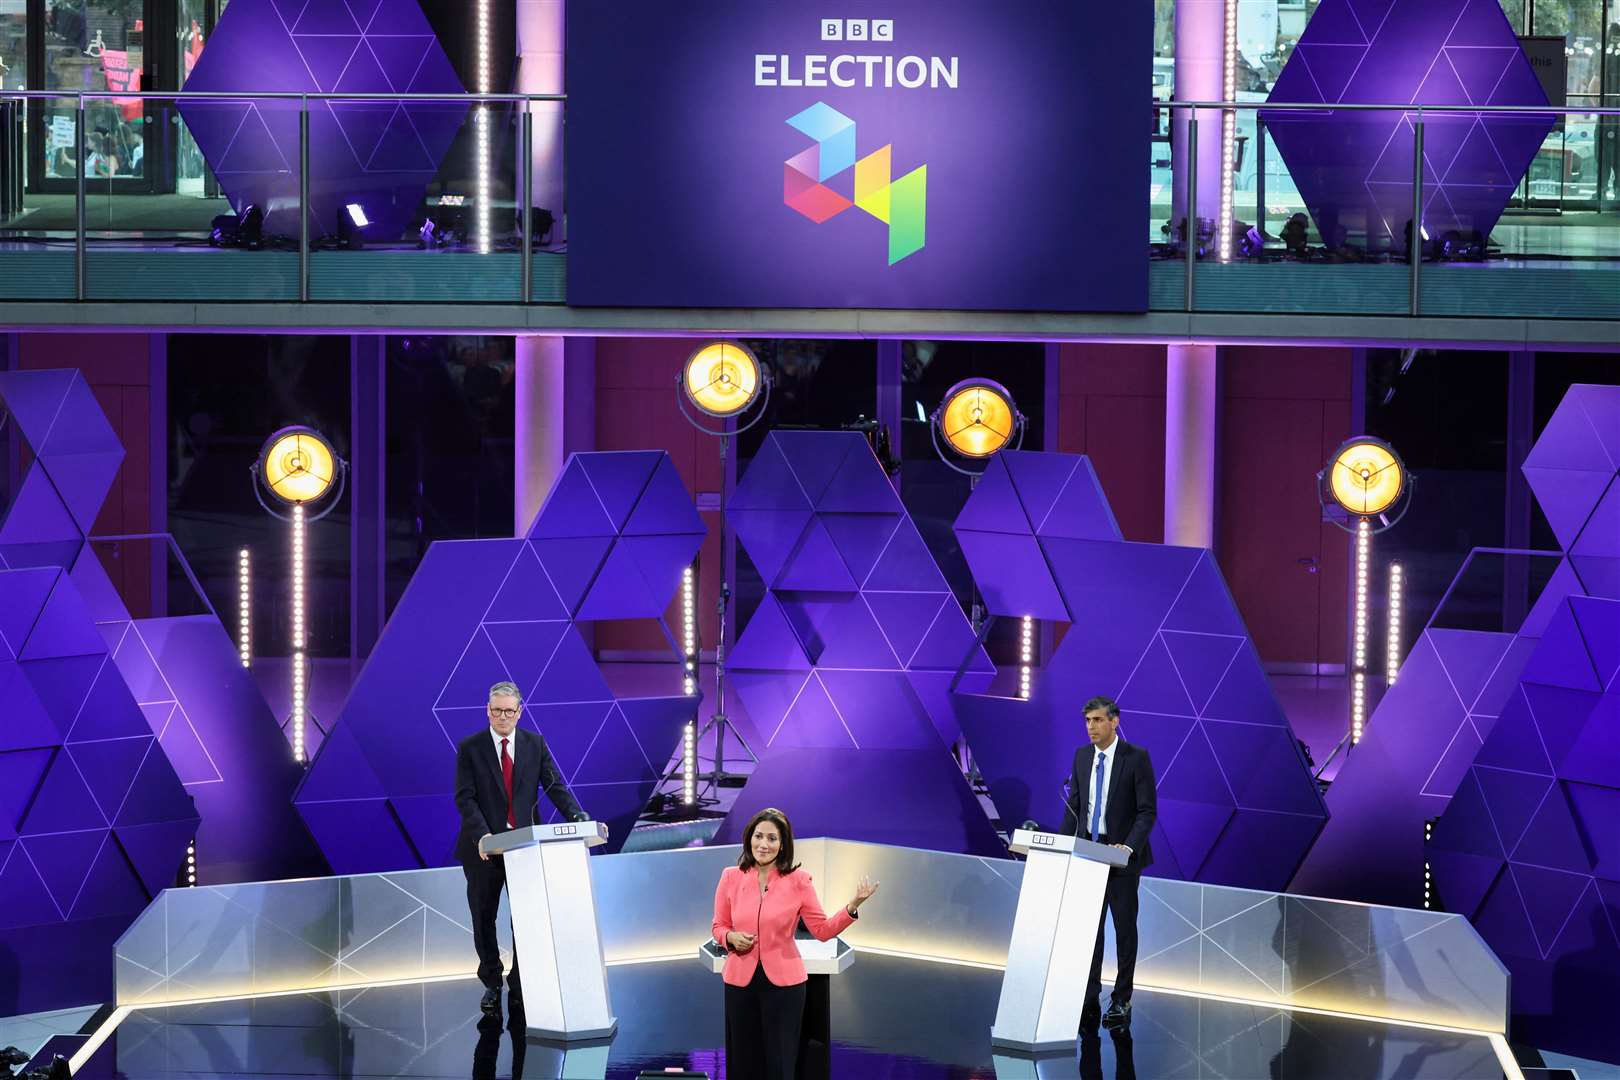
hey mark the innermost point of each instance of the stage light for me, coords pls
(300, 685)
(689, 647)
(298, 465)
(722, 379)
(244, 607)
(1428, 872)
(1358, 689)
(1366, 477)
(357, 215)
(1229, 53)
(191, 863)
(1392, 642)
(689, 765)
(481, 121)
(350, 222)
(977, 419)
(1026, 656)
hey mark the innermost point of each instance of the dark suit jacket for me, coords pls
(481, 792)
(1132, 806)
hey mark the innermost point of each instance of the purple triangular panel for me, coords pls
(64, 627)
(64, 862)
(1598, 807)
(615, 756)
(1514, 742)
(1192, 829)
(156, 795)
(1155, 685)
(1161, 735)
(860, 538)
(665, 507)
(860, 487)
(96, 589)
(906, 563)
(933, 689)
(1601, 404)
(768, 642)
(881, 710)
(572, 674)
(326, 18)
(1552, 839)
(340, 771)
(361, 124)
(812, 721)
(1511, 800)
(1561, 659)
(22, 596)
(1205, 605)
(949, 644)
(328, 55)
(1601, 533)
(1466, 825)
(1469, 658)
(1563, 583)
(83, 481)
(1138, 582)
(28, 902)
(769, 536)
(993, 504)
(62, 685)
(431, 823)
(527, 594)
(1481, 67)
(814, 458)
(657, 723)
(1599, 624)
(660, 561)
(401, 148)
(1595, 757)
(853, 639)
(810, 615)
(35, 398)
(140, 671)
(20, 772)
(1560, 716)
(63, 804)
(111, 887)
(1039, 479)
(619, 591)
(109, 769)
(38, 514)
(1570, 441)
(1264, 768)
(359, 836)
(156, 851)
(569, 729)
(186, 752)
(81, 427)
(1463, 880)
(363, 11)
(525, 648)
(1195, 774)
(906, 618)
(1567, 497)
(815, 565)
(1013, 575)
(1549, 899)
(26, 723)
(768, 484)
(477, 669)
(1599, 575)
(400, 56)
(1440, 87)
(767, 698)
(1202, 661)
(572, 563)
(1260, 849)
(1082, 511)
(619, 477)
(1460, 753)
(1331, 65)
(572, 508)
(398, 17)
(108, 712)
(1334, 24)
(254, 149)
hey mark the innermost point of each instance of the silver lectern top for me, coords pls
(1025, 841)
(591, 832)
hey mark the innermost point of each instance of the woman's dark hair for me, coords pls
(784, 858)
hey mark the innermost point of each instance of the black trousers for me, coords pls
(762, 1029)
(1119, 900)
(485, 880)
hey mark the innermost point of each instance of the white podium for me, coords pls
(559, 946)
(1054, 931)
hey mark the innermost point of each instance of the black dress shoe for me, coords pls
(491, 1004)
(1118, 1015)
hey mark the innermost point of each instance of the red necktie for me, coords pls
(506, 772)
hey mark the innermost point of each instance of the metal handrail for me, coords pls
(283, 95)
(1408, 106)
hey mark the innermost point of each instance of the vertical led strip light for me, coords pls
(1392, 643)
(1358, 684)
(481, 120)
(1026, 655)
(689, 647)
(1223, 226)
(244, 607)
(191, 863)
(300, 687)
(1428, 871)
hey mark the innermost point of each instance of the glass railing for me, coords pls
(1293, 209)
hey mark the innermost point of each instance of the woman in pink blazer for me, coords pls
(757, 907)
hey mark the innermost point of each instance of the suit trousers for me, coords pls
(1119, 899)
(762, 1029)
(485, 880)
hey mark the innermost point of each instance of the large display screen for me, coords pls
(948, 154)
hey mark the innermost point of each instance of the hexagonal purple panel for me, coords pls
(1354, 168)
(379, 154)
(609, 543)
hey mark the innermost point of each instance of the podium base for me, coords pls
(579, 1035)
(1026, 1048)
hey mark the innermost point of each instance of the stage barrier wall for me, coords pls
(1288, 951)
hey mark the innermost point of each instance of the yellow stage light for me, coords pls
(298, 465)
(1366, 477)
(978, 418)
(722, 378)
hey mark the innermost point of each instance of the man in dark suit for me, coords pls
(500, 772)
(1112, 800)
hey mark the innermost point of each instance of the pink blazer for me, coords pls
(772, 920)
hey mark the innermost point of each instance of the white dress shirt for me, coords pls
(511, 745)
(1107, 757)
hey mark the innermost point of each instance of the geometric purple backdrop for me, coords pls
(845, 668)
(1155, 628)
(1354, 168)
(380, 154)
(610, 542)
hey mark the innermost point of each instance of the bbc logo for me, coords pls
(857, 29)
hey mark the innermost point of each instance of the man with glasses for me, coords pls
(500, 773)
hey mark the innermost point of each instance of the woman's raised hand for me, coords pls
(863, 892)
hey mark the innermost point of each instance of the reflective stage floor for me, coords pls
(891, 1018)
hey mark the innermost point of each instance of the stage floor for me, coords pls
(891, 1017)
